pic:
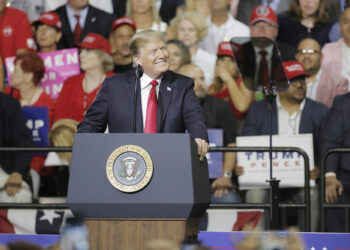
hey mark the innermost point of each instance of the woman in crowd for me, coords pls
(178, 54)
(144, 13)
(305, 18)
(80, 91)
(47, 32)
(28, 72)
(191, 28)
(228, 85)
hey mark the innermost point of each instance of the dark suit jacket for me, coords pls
(246, 59)
(257, 121)
(14, 133)
(97, 21)
(178, 107)
(336, 134)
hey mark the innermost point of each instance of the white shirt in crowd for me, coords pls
(288, 124)
(145, 83)
(206, 62)
(312, 87)
(231, 28)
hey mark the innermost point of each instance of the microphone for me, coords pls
(139, 73)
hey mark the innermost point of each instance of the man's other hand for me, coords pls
(203, 148)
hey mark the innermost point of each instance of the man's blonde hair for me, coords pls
(143, 37)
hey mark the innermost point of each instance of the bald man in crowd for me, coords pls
(322, 84)
(218, 115)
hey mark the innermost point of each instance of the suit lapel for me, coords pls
(90, 20)
(305, 118)
(164, 97)
(66, 28)
(130, 90)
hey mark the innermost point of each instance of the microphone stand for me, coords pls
(139, 73)
(274, 183)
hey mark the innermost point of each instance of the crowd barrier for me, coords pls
(283, 206)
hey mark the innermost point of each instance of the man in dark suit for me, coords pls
(292, 113)
(166, 102)
(336, 134)
(260, 59)
(79, 18)
(14, 166)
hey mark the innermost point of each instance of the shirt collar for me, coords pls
(145, 80)
(71, 13)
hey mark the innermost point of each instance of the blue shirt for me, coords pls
(72, 20)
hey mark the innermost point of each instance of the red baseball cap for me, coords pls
(49, 18)
(263, 13)
(224, 49)
(121, 21)
(293, 69)
(95, 41)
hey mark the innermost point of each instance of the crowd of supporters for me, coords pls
(312, 33)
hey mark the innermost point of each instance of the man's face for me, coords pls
(77, 4)
(219, 5)
(344, 26)
(121, 38)
(193, 71)
(264, 29)
(296, 91)
(309, 55)
(47, 36)
(154, 58)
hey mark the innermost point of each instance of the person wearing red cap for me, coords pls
(292, 113)
(80, 91)
(123, 29)
(228, 85)
(47, 31)
(305, 18)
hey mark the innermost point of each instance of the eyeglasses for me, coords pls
(308, 51)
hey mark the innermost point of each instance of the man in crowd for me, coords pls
(336, 55)
(79, 18)
(222, 26)
(292, 114)
(14, 166)
(218, 115)
(335, 134)
(123, 29)
(322, 85)
(166, 102)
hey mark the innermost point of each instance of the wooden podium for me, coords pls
(169, 207)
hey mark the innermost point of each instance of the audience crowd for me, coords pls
(311, 37)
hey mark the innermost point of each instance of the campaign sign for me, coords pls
(59, 65)
(286, 166)
(215, 159)
(37, 121)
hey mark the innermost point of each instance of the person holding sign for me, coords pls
(48, 31)
(28, 72)
(293, 114)
(80, 91)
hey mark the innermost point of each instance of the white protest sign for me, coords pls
(287, 166)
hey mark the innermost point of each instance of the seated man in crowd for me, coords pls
(218, 114)
(322, 85)
(292, 114)
(335, 134)
(14, 166)
(122, 31)
(336, 55)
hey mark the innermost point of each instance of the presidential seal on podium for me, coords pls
(129, 168)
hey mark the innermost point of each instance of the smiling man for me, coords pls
(166, 102)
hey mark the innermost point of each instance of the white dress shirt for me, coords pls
(312, 87)
(206, 62)
(231, 28)
(288, 124)
(145, 83)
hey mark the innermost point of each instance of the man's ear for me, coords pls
(137, 59)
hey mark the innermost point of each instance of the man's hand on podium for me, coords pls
(203, 148)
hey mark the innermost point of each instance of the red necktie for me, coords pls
(77, 30)
(263, 76)
(151, 113)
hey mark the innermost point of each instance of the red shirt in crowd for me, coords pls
(70, 102)
(45, 100)
(15, 32)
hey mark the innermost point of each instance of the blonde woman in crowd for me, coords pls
(145, 14)
(191, 28)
